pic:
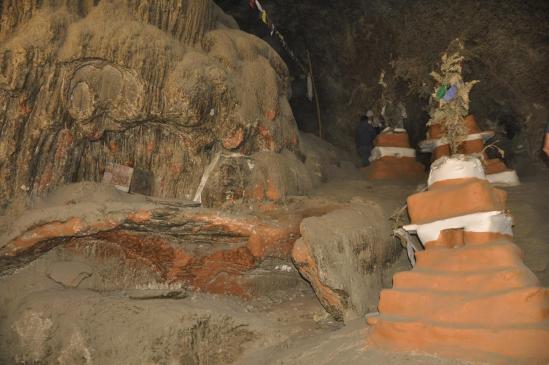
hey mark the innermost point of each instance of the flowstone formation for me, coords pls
(470, 295)
(166, 87)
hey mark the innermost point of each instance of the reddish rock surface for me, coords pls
(446, 201)
(218, 270)
(466, 148)
(204, 249)
(395, 168)
(305, 260)
(392, 167)
(73, 100)
(495, 166)
(392, 140)
(435, 131)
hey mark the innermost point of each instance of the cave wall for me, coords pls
(164, 86)
(506, 49)
(159, 85)
(352, 41)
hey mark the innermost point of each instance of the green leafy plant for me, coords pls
(451, 110)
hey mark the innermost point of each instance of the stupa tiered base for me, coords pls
(469, 296)
(392, 158)
(497, 172)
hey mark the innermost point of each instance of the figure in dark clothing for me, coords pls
(365, 135)
(546, 144)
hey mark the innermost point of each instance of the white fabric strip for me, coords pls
(430, 144)
(207, 171)
(456, 167)
(379, 152)
(259, 7)
(494, 222)
(505, 178)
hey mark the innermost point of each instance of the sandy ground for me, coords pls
(159, 325)
(529, 205)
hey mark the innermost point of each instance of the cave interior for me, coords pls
(188, 182)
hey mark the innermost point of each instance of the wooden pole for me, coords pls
(319, 120)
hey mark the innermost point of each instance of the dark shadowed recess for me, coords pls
(351, 41)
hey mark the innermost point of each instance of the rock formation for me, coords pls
(166, 87)
(366, 37)
(342, 254)
(149, 241)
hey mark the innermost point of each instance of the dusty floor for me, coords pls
(163, 325)
(529, 205)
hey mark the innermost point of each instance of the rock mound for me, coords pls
(161, 86)
(342, 255)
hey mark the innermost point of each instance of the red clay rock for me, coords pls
(274, 239)
(392, 140)
(467, 148)
(182, 107)
(482, 281)
(204, 249)
(216, 271)
(140, 216)
(72, 227)
(435, 131)
(495, 166)
(234, 140)
(517, 306)
(395, 168)
(525, 344)
(470, 258)
(473, 196)
(457, 238)
(304, 260)
(277, 176)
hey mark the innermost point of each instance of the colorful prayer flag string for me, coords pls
(273, 31)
